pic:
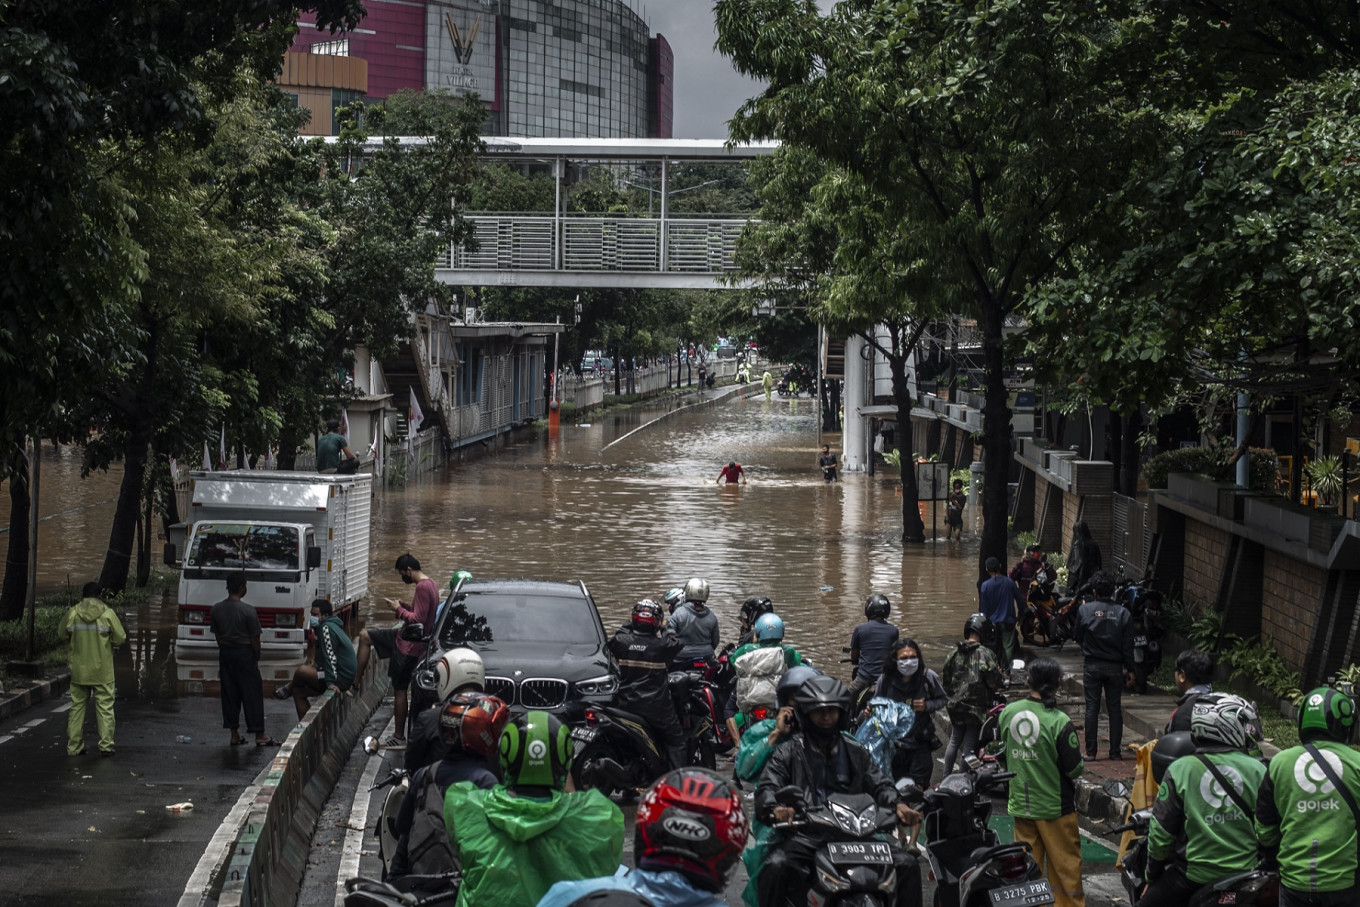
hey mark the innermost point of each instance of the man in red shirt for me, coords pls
(403, 654)
(732, 472)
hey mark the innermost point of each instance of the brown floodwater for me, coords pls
(627, 503)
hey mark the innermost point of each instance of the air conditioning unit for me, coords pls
(471, 315)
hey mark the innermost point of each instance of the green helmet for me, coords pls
(536, 751)
(459, 576)
(1326, 713)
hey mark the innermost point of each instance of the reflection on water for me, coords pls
(630, 521)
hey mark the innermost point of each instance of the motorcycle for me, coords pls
(970, 866)
(616, 750)
(853, 865)
(407, 890)
(1145, 611)
(1253, 888)
(1048, 620)
(719, 678)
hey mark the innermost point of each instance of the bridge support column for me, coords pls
(855, 431)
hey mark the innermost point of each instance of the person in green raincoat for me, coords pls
(767, 382)
(757, 744)
(93, 630)
(516, 840)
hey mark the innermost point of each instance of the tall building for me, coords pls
(562, 68)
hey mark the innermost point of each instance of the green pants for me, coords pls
(81, 693)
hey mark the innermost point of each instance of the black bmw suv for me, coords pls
(543, 643)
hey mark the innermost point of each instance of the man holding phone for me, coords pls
(403, 655)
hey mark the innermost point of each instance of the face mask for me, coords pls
(316, 622)
(907, 666)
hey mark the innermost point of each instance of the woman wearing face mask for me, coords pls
(906, 679)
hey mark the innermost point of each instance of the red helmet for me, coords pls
(691, 819)
(647, 613)
(473, 722)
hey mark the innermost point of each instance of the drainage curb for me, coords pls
(14, 701)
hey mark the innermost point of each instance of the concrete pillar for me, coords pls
(975, 469)
(855, 430)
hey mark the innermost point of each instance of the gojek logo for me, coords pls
(1311, 779)
(1025, 728)
(1213, 792)
(537, 750)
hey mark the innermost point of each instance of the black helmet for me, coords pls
(755, 606)
(1326, 713)
(877, 606)
(788, 684)
(978, 623)
(821, 692)
(1169, 748)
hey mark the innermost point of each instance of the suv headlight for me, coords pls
(605, 685)
(425, 678)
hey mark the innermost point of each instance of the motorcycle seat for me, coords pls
(982, 854)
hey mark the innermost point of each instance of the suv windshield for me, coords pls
(503, 617)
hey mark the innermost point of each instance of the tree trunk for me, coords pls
(118, 558)
(913, 527)
(144, 538)
(996, 441)
(14, 595)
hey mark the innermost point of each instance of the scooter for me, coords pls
(1145, 611)
(616, 750)
(1253, 888)
(853, 863)
(1048, 620)
(970, 866)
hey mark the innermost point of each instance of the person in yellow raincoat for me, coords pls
(93, 630)
(767, 382)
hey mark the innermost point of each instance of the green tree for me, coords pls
(992, 135)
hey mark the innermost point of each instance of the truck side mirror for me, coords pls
(313, 557)
(169, 555)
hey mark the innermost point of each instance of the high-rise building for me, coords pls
(563, 68)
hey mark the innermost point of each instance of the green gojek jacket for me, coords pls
(514, 848)
(93, 630)
(1041, 748)
(1301, 816)
(1194, 818)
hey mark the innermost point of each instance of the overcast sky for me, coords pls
(707, 89)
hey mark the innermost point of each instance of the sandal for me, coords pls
(270, 742)
(238, 741)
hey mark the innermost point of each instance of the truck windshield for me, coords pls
(235, 546)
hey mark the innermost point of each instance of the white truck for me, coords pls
(297, 537)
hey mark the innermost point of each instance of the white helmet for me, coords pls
(696, 590)
(458, 669)
(1223, 720)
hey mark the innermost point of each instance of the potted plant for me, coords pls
(1324, 477)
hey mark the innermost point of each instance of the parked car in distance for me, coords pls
(542, 642)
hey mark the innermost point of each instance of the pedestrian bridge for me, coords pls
(659, 247)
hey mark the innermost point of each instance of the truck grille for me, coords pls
(543, 694)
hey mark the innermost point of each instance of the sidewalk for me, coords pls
(21, 695)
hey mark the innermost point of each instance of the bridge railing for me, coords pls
(526, 242)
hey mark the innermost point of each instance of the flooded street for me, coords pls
(628, 504)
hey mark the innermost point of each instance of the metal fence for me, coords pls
(1130, 537)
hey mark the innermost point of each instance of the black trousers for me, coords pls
(918, 765)
(1172, 889)
(242, 689)
(788, 868)
(661, 718)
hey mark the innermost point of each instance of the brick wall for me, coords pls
(1291, 602)
(1206, 551)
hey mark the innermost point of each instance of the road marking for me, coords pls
(7, 738)
(358, 821)
(33, 723)
(65, 707)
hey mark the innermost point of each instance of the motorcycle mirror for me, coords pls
(905, 785)
(1018, 664)
(371, 745)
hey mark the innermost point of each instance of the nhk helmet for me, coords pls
(769, 628)
(1326, 713)
(473, 722)
(536, 751)
(458, 669)
(1223, 720)
(696, 590)
(877, 606)
(692, 820)
(647, 615)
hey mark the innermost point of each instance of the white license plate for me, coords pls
(865, 852)
(1025, 894)
(1140, 640)
(584, 734)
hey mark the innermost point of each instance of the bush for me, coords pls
(1212, 462)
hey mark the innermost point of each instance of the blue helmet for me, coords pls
(769, 628)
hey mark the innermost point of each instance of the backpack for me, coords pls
(429, 851)
(758, 674)
(963, 684)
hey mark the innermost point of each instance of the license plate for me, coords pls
(865, 852)
(1026, 893)
(584, 734)
(1140, 640)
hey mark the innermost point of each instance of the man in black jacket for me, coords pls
(819, 759)
(1105, 632)
(1194, 678)
(643, 650)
